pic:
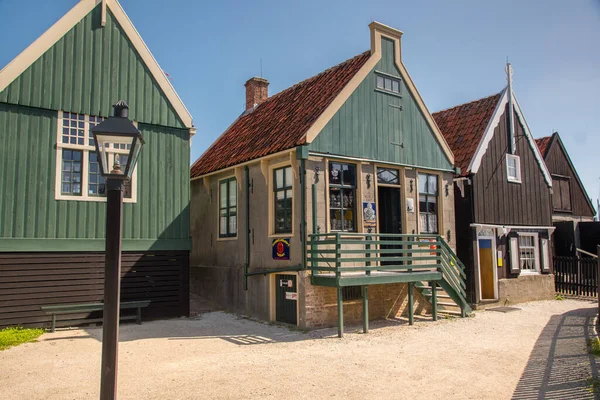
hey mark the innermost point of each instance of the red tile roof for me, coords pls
(279, 123)
(543, 144)
(463, 127)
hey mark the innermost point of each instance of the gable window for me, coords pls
(228, 208)
(428, 203)
(528, 252)
(388, 84)
(78, 174)
(561, 196)
(282, 193)
(342, 195)
(513, 168)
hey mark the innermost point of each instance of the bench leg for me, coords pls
(139, 315)
(53, 323)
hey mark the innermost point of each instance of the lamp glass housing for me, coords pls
(118, 153)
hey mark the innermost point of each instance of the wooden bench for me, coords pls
(89, 307)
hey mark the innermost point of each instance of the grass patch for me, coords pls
(559, 297)
(593, 385)
(594, 346)
(16, 335)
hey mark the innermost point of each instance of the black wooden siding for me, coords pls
(558, 164)
(31, 280)
(463, 207)
(500, 202)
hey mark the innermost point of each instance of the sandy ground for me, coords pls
(536, 352)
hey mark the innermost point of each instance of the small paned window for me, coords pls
(282, 188)
(351, 293)
(388, 84)
(513, 168)
(71, 172)
(76, 150)
(228, 208)
(561, 193)
(428, 203)
(528, 252)
(342, 196)
(388, 176)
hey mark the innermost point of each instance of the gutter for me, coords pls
(247, 263)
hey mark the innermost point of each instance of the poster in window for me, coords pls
(369, 215)
(281, 249)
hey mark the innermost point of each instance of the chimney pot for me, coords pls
(257, 91)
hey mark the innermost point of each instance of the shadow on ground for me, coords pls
(560, 366)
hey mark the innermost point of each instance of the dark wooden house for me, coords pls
(502, 200)
(52, 201)
(571, 204)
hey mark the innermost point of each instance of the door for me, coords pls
(388, 203)
(486, 269)
(286, 299)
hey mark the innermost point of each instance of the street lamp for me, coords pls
(118, 145)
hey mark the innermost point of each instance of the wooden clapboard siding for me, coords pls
(31, 280)
(559, 163)
(498, 201)
(380, 126)
(28, 209)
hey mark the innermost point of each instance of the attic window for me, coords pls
(388, 84)
(513, 168)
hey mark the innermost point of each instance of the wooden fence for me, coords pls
(577, 276)
(31, 280)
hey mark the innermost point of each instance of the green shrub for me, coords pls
(559, 296)
(14, 336)
(595, 346)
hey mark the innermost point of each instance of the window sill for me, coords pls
(281, 235)
(514, 181)
(390, 93)
(225, 239)
(92, 199)
(530, 272)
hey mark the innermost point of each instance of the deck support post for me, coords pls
(411, 312)
(340, 304)
(434, 300)
(365, 301)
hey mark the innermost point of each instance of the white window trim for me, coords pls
(85, 149)
(518, 165)
(536, 246)
(270, 187)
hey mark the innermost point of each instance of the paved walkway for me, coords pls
(560, 366)
(538, 352)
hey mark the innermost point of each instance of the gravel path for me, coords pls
(536, 352)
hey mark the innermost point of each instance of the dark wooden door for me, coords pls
(286, 298)
(564, 239)
(388, 202)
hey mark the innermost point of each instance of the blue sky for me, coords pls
(455, 52)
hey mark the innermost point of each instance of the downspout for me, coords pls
(303, 235)
(247, 264)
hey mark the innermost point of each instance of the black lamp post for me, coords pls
(114, 137)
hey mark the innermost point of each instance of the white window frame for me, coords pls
(536, 253)
(85, 162)
(517, 159)
(380, 78)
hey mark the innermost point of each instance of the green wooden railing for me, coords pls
(345, 254)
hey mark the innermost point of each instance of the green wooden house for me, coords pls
(331, 195)
(52, 202)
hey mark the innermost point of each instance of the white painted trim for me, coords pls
(488, 133)
(28, 56)
(550, 229)
(370, 160)
(495, 266)
(532, 144)
(536, 246)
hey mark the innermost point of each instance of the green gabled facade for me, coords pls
(376, 125)
(85, 71)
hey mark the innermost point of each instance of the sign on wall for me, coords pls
(281, 249)
(369, 215)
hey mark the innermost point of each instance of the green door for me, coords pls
(286, 298)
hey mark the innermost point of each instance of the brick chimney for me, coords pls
(257, 91)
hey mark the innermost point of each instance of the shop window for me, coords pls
(342, 196)
(428, 203)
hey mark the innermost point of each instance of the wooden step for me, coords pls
(445, 304)
(450, 312)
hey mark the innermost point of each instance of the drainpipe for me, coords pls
(247, 264)
(303, 235)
